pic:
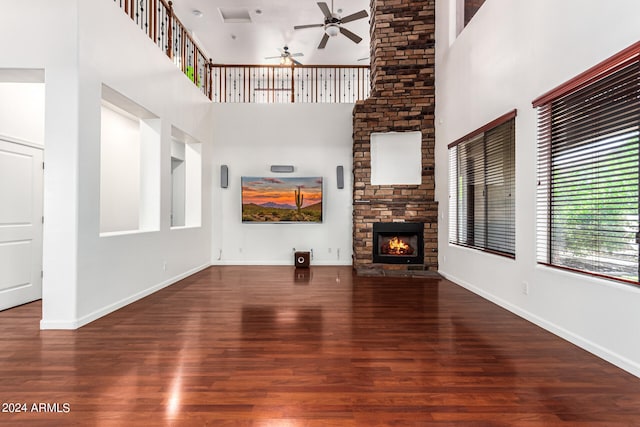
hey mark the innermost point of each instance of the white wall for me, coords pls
(117, 270)
(22, 111)
(81, 46)
(510, 53)
(37, 24)
(314, 138)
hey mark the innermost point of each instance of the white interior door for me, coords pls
(20, 224)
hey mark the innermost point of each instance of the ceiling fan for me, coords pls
(286, 57)
(333, 24)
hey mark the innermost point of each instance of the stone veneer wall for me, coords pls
(402, 99)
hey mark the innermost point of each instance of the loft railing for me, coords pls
(157, 20)
(244, 83)
(289, 84)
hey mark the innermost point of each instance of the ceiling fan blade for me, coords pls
(325, 9)
(354, 37)
(296, 62)
(273, 57)
(299, 27)
(323, 42)
(296, 55)
(355, 16)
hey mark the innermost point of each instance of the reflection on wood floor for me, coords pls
(272, 346)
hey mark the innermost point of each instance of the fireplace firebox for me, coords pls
(398, 243)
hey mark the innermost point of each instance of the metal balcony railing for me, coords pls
(157, 19)
(289, 84)
(245, 83)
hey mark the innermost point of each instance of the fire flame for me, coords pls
(396, 246)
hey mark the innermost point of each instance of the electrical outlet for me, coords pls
(164, 265)
(525, 288)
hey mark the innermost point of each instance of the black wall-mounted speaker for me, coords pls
(340, 176)
(224, 176)
(302, 259)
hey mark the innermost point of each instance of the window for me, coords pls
(588, 170)
(482, 188)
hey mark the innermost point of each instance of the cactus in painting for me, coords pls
(299, 198)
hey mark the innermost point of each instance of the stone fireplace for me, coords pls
(402, 99)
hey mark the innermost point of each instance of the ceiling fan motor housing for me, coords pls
(332, 24)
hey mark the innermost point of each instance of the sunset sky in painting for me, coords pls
(281, 190)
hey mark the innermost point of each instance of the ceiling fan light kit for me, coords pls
(332, 30)
(333, 24)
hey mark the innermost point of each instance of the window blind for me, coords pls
(482, 188)
(588, 156)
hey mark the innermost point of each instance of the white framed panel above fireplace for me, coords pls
(396, 158)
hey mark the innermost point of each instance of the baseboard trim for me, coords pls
(596, 349)
(84, 320)
(280, 263)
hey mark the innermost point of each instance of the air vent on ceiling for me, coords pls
(235, 15)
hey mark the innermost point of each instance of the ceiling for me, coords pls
(271, 27)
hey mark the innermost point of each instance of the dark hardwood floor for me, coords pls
(271, 346)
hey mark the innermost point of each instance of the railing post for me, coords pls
(224, 93)
(336, 89)
(195, 63)
(273, 84)
(170, 31)
(183, 50)
(210, 78)
(132, 13)
(292, 84)
(151, 20)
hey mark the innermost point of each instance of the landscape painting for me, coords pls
(282, 199)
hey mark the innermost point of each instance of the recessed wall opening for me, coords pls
(129, 166)
(396, 158)
(178, 188)
(186, 180)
